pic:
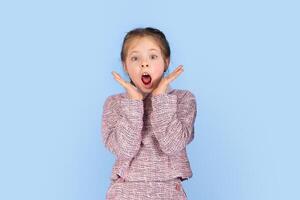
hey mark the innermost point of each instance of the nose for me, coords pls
(144, 62)
(145, 65)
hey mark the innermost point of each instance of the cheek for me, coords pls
(157, 73)
(131, 66)
(133, 72)
(159, 67)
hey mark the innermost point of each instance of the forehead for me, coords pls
(143, 43)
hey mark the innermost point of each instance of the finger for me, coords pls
(115, 74)
(123, 83)
(120, 80)
(175, 73)
(180, 67)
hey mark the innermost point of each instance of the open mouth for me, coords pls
(146, 78)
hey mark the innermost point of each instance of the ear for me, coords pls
(167, 64)
(125, 67)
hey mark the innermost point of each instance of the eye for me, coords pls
(134, 58)
(153, 56)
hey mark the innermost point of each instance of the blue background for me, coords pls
(241, 61)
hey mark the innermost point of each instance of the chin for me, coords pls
(145, 90)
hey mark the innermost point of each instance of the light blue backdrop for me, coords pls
(241, 61)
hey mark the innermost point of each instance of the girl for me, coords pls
(149, 126)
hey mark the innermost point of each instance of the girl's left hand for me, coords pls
(163, 85)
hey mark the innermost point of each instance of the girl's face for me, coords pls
(145, 56)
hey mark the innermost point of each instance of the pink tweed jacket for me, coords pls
(149, 137)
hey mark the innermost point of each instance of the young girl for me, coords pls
(149, 126)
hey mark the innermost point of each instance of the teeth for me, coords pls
(145, 73)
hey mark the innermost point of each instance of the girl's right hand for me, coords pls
(130, 89)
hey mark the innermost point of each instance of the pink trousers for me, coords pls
(158, 190)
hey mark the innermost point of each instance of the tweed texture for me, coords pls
(156, 190)
(149, 137)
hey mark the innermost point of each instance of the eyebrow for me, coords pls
(148, 49)
(153, 49)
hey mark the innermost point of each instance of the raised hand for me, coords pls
(131, 90)
(163, 85)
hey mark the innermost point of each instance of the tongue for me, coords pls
(146, 79)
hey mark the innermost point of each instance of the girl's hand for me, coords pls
(131, 89)
(163, 85)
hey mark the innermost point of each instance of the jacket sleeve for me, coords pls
(122, 123)
(173, 121)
